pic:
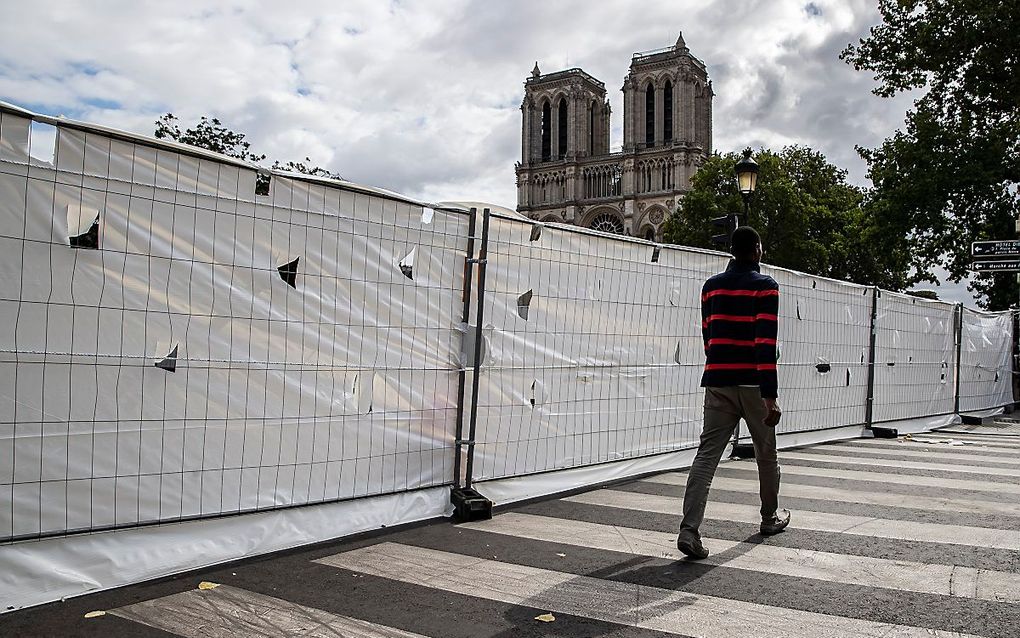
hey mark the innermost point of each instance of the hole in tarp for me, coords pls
(890, 363)
(996, 377)
(824, 367)
(533, 384)
(42, 142)
(676, 355)
(524, 304)
(262, 181)
(655, 255)
(536, 232)
(87, 239)
(848, 376)
(814, 284)
(945, 372)
(288, 272)
(169, 362)
(798, 310)
(407, 264)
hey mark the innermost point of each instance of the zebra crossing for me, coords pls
(890, 538)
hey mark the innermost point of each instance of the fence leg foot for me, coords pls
(880, 432)
(743, 451)
(469, 505)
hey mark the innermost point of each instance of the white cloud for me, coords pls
(423, 97)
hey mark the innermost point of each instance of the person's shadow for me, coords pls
(662, 581)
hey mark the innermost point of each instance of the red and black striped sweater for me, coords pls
(739, 323)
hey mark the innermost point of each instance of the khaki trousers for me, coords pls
(724, 407)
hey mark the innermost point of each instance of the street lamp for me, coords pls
(747, 179)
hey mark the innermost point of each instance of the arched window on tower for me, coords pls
(591, 129)
(546, 132)
(650, 116)
(562, 150)
(667, 112)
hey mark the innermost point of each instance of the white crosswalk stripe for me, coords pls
(790, 489)
(930, 452)
(987, 440)
(838, 568)
(913, 465)
(922, 443)
(883, 477)
(228, 612)
(640, 606)
(821, 521)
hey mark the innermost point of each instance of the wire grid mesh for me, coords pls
(222, 352)
(824, 331)
(915, 357)
(594, 350)
(189, 367)
(985, 366)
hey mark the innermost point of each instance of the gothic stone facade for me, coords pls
(567, 172)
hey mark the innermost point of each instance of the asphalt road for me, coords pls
(889, 538)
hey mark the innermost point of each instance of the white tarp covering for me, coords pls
(824, 326)
(915, 357)
(215, 352)
(985, 366)
(594, 352)
(175, 347)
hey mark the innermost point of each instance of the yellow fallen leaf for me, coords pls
(546, 618)
(207, 585)
(95, 614)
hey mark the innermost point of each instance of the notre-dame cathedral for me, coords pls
(567, 172)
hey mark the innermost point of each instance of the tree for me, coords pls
(809, 217)
(210, 134)
(952, 175)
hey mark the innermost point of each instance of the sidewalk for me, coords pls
(912, 537)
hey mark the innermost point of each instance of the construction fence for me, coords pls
(174, 346)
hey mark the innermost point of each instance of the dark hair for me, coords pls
(743, 242)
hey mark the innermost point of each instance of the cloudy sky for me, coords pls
(423, 96)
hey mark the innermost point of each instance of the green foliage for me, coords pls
(210, 134)
(952, 175)
(306, 168)
(810, 219)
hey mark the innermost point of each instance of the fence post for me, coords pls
(468, 504)
(469, 270)
(958, 334)
(878, 432)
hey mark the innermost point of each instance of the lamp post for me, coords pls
(747, 180)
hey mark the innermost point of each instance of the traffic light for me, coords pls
(727, 222)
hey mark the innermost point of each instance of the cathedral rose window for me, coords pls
(607, 223)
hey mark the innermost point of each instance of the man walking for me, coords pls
(739, 323)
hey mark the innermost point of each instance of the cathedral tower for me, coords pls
(567, 172)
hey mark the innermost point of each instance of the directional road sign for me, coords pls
(1001, 248)
(997, 265)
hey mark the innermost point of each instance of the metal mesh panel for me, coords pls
(595, 350)
(824, 327)
(915, 357)
(985, 367)
(213, 352)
